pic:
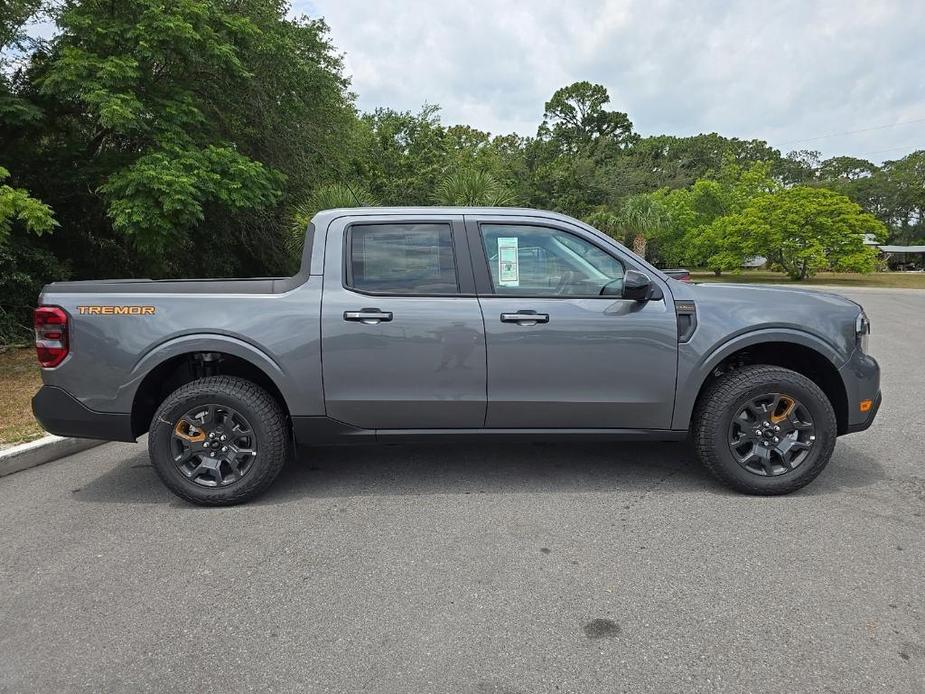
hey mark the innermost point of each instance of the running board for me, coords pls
(324, 430)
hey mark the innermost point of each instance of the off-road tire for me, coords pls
(262, 411)
(720, 403)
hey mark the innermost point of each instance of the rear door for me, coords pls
(403, 342)
(561, 355)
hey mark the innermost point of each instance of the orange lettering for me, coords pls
(117, 310)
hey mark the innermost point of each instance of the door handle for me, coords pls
(525, 317)
(370, 316)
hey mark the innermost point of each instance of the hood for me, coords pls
(772, 293)
(730, 309)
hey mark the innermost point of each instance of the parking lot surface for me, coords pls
(482, 568)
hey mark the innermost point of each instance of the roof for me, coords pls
(442, 209)
(903, 249)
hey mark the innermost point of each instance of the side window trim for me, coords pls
(484, 283)
(462, 262)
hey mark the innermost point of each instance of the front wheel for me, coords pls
(218, 441)
(764, 430)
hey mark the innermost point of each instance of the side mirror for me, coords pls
(637, 286)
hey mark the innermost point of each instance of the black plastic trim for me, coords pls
(686, 311)
(548, 435)
(323, 430)
(61, 413)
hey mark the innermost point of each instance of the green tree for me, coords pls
(641, 216)
(799, 167)
(805, 230)
(193, 114)
(566, 164)
(19, 263)
(575, 119)
(15, 112)
(16, 204)
(330, 196)
(410, 158)
(900, 190)
(402, 155)
(567, 183)
(667, 161)
(134, 70)
(696, 234)
(725, 243)
(841, 169)
(605, 219)
(472, 187)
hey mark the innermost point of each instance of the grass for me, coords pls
(904, 280)
(20, 378)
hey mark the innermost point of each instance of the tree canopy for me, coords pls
(575, 120)
(805, 230)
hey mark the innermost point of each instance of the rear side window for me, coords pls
(402, 259)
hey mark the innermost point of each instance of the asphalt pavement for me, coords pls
(482, 568)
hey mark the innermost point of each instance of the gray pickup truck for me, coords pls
(453, 324)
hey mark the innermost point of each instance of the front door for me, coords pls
(564, 349)
(403, 343)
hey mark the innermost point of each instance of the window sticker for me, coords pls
(508, 267)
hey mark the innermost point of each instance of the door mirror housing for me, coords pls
(637, 286)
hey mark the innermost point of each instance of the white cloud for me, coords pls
(782, 71)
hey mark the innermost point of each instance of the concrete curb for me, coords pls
(41, 451)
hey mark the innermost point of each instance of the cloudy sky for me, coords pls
(789, 71)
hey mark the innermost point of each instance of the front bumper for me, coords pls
(861, 376)
(61, 413)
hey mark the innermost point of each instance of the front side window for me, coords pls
(542, 261)
(402, 259)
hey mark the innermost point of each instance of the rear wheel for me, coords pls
(764, 430)
(218, 441)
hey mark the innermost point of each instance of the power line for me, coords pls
(890, 149)
(854, 132)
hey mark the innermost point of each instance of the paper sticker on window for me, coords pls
(508, 270)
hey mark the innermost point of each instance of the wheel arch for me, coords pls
(187, 359)
(795, 350)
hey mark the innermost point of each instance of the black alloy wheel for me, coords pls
(214, 445)
(771, 434)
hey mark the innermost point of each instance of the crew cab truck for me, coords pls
(453, 324)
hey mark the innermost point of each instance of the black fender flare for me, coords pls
(692, 377)
(206, 342)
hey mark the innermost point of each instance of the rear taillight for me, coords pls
(50, 335)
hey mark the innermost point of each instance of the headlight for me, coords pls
(862, 329)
